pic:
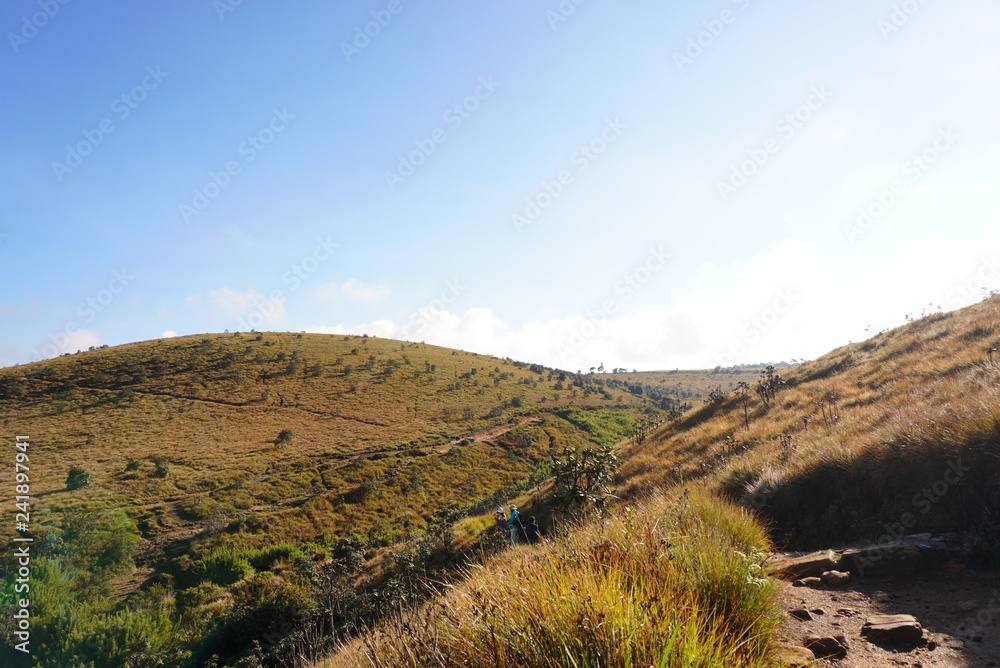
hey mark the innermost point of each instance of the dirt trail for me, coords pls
(491, 432)
(480, 436)
(958, 607)
(176, 532)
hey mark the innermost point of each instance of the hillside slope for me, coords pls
(205, 459)
(198, 422)
(903, 427)
(897, 434)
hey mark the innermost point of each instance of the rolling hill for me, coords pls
(895, 435)
(201, 444)
(255, 479)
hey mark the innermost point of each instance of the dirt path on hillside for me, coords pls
(175, 532)
(490, 433)
(958, 608)
(481, 436)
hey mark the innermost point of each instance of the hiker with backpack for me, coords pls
(514, 523)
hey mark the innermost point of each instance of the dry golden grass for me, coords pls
(691, 386)
(854, 436)
(670, 583)
(885, 420)
(376, 427)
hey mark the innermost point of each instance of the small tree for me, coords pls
(717, 395)
(161, 470)
(581, 478)
(78, 477)
(284, 436)
(742, 393)
(768, 385)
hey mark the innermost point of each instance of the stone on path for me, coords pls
(836, 578)
(801, 614)
(810, 565)
(825, 647)
(812, 582)
(903, 629)
(795, 656)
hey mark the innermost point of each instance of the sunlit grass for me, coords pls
(855, 438)
(670, 583)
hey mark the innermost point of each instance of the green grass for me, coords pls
(672, 583)
(183, 434)
(604, 427)
(194, 420)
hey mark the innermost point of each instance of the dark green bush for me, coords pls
(78, 477)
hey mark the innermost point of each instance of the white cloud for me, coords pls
(787, 302)
(352, 290)
(169, 334)
(68, 342)
(249, 308)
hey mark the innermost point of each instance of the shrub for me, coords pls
(198, 507)
(78, 477)
(192, 597)
(265, 557)
(223, 567)
(161, 470)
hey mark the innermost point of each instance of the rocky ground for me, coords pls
(910, 603)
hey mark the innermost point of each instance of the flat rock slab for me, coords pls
(902, 629)
(810, 565)
(899, 557)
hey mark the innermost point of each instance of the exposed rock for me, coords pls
(966, 606)
(825, 647)
(899, 557)
(793, 567)
(891, 559)
(881, 597)
(795, 656)
(800, 614)
(836, 578)
(903, 629)
(812, 582)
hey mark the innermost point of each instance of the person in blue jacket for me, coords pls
(514, 523)
(532, 532)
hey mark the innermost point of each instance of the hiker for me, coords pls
(532, 532)
(499, 519)
(514, 523)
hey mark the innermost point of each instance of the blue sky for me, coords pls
(650, 185)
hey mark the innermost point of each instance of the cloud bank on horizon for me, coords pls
(644, 186)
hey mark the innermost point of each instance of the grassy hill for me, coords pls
(690, 387)
(394, 454)
(901, 428)
(897, 434)
(200, 446)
